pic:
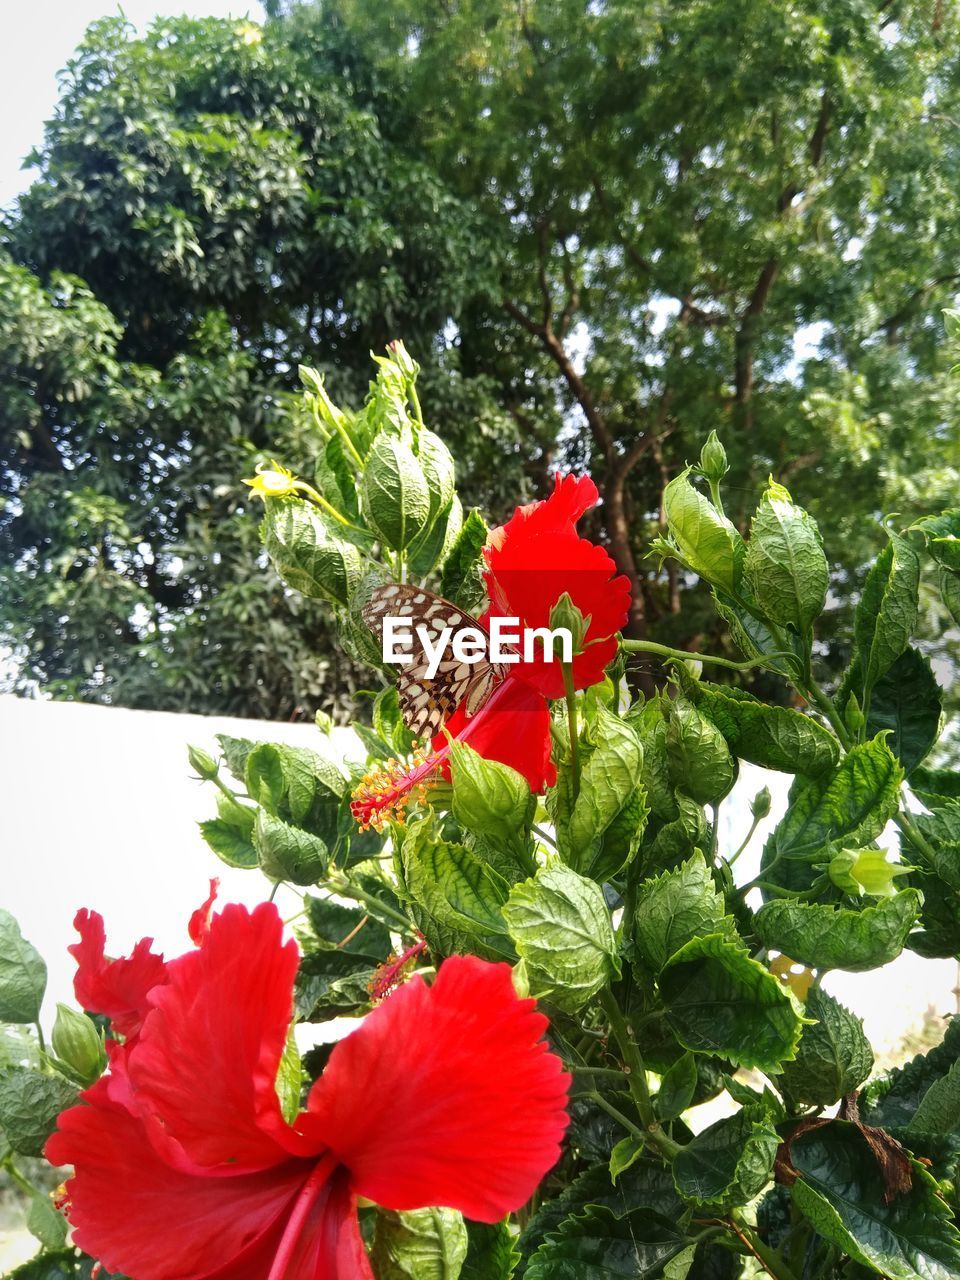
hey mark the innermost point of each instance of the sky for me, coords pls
(40, 37)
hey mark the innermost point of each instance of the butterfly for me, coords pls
(426, 703)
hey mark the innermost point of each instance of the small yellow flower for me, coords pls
(272, 481)
(249, 33)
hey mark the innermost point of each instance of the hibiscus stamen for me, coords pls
(305, 1201)
(390, 974)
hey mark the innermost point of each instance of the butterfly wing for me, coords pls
(427, 701)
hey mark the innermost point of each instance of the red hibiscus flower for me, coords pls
(185, 1168)
(532, 560)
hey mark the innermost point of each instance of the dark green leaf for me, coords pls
(491, 1252)
(30, 1102)
(834, 1056)
(906, 701)
(822, 936)
(600, 1246)
(23, 974)
(729, 1163)
(887, 613)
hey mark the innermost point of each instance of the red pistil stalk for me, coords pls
(312, 1188)
(389, 975)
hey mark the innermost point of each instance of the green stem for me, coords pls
(545, 836)
(611, 1110)
(40, 1039)
(23, 1183)
(415, 400)
(684, 655)
(302, 487)
(347, 884)
(571, 699)
(603, 1073)
(749, 836)
(915, 835)
(825, 704)
(770, 1257)
(637, 1078)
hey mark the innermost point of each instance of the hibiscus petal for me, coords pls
(446, 1095)
(199, 925)
(322, 1239)
(141, 1218)
(116, 988)
(514, 730)
(203, 1072)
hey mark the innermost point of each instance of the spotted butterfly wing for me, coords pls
(426, 702)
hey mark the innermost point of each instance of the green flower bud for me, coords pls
(566, 614)
(860, 871)
(853, 717)
(760, 804)
(402, 358)
(204, 764)
(78, 1044)
(713, 459)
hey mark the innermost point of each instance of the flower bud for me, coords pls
(713, 459)
(565, 614)
(203, 763)
(760, 804)
(853, 717)
(78, 1044)
(402, 358)
(860, 871)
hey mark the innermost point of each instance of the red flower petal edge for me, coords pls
(445, 1095)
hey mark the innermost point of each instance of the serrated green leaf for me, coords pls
(892, 1099)
(23, 974)
(30, 1102)
(785, 565)
(729, 1163)
(906, 701)
(599, 1246)
(841, 1192)
(610, 782)
(938, 1112)
(823, 936)
(769, 736)
(833, 1058)
(436, 463)
(886, 616)
(677, 1088)
(722, 1002)
(346, 929)
(307, 553)
(674, 908)
(492, 800)
(942, 533)
(700, 761)
(491, 1252)
(289, 853)
(425, 1244)
(435, 544)
(229, 843)
(394, 492)
(459, 898)
(561, 927)
(853, 804)
(460, 580)
(949, 583)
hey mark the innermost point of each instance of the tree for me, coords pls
(604, 230)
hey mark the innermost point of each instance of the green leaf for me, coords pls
(769, 736)
(677, 1088)
(596, 1245)
(722, 1002)
(853, 804)
(701, 537)
(561, 927)
(491, 1252)
(626, 1154)
(346, 929)
(492, 800)
(949, 584)
(435, 544)
(609, 783)
(676, 840)
(436, 463)
(674, 908)
(331, 983)
(729, 1163)
(289, 1081)
(229, 843)
(892, 1099)
(785, 565)
(834, 1056)
(425, 1244)
(235, 752)
(23, 974)
(939, 1110)
(460, 581)
(30, 1102)
(289, 853)
(307, 553)
(942, 533)
(460, 898)
(906, 701)
(700, 761)
(841, 1192)
(394, 492)
(59, 1264)
(45, 1224)
(887, 613)
(823, 936)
